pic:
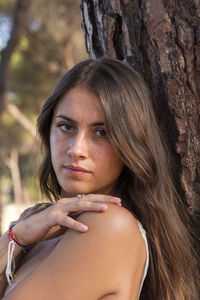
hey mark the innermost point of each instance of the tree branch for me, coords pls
(21, 118)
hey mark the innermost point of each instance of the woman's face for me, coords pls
(82, 156)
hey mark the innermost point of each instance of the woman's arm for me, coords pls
(90, 265)
(4, 241)
(38, 223)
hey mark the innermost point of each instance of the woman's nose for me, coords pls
(78, 147)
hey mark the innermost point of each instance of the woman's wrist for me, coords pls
(12, 236)
(13, 244)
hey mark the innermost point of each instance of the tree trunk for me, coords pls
(161, 40)
(13, 164)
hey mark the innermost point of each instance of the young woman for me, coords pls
(101, 143)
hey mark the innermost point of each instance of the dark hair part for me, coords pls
(145, 184)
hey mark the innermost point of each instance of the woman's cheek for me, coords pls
(103, 153)
(58, 144)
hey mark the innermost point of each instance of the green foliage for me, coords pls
(51, 43)
(6, 7)
(12, 134)
(17, 57)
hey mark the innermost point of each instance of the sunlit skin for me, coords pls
(82, 156)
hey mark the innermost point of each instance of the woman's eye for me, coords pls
(101, 133)
(65, 127)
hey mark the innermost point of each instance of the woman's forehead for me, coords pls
(80, 103)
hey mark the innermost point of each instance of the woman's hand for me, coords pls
(47, 221)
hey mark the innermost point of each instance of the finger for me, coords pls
(93, 198)
(102, 198)
(72, 224)
(85, 205)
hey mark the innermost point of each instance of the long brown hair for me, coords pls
(145, 184)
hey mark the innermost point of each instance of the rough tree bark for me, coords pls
(161, 40)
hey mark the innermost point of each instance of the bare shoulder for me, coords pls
(108, 259)
(113, 244)
(113, 229)
(116, 220)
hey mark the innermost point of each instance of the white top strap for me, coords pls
(143, 232)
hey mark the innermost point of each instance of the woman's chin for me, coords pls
(73, 193)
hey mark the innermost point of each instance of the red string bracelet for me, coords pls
(12, 236)
(10, 268)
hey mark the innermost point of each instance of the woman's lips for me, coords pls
(76, 170)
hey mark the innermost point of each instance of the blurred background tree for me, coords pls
(50, 42)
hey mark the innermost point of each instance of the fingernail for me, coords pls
(103, 206)
(117, 199)
(83, 227)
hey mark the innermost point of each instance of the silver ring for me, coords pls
(80, 196)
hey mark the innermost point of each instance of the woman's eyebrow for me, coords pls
(76, 123)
